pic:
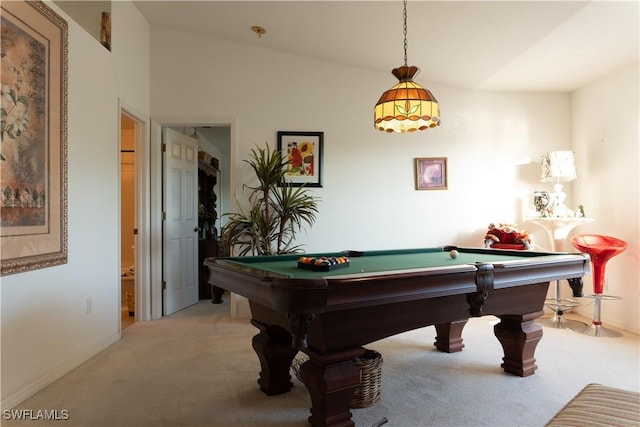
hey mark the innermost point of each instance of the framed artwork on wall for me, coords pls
(543, 202)
(431, 173)
(302, 152)
(33, 154)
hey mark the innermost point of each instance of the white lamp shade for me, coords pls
(558, 166)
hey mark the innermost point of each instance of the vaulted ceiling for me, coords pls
(484, 45)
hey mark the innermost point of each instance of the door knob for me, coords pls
(197, 229)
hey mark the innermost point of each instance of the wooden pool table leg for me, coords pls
(331, 381)
(273, 347)
(519, 336)
(449, 336)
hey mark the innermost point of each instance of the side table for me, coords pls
(558, 229)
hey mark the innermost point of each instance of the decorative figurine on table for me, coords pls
(548, 206)
(507, 236)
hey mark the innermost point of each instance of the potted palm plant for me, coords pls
(277, 211)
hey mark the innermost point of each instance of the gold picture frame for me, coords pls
(431, 173)
(33, 154)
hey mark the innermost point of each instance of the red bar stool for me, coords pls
(600, 248)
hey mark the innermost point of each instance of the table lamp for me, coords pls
(558, 167)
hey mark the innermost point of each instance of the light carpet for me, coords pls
(197, 368)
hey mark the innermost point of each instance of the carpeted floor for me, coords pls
(197, 368)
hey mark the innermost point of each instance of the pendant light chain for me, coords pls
(407, 106)
(404, 17)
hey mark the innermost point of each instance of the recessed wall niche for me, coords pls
(88, 14)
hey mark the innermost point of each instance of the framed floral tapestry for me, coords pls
(33, 132)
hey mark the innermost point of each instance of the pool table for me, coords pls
(331, 315)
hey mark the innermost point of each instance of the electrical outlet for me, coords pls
(89, 308)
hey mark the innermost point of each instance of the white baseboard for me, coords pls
(40, 383)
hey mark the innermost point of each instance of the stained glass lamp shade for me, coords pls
(407, 106)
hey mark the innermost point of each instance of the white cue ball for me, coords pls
(453, 254)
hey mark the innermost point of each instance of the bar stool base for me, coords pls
(559, 307)
(596, 329)
(599, 331)
(559, 322)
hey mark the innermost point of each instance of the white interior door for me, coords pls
(180, 225)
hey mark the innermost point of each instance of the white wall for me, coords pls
(493, 140)
(46, 330)
(605, 123)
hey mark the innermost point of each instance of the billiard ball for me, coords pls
(453, 254)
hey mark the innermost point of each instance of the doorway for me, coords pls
(135, 212)
(221, 132)
(127, 220)
(185, 279)
(128, 229)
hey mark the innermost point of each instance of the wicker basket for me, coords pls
(370, 388)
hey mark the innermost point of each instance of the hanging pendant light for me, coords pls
(407, 106)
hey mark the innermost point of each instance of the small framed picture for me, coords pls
(302, 152)
(431, 173)
(543, 202)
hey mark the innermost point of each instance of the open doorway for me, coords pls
(128, 230)
(135, 217)
(220, 130)
(212, 173)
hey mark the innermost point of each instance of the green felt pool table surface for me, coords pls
(385, 261)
